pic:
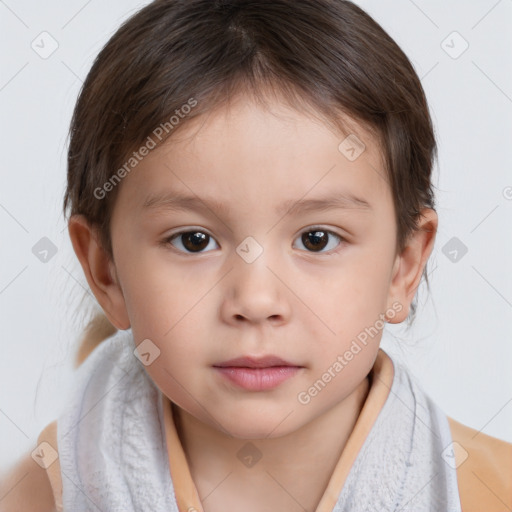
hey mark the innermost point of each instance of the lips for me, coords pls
(257, 373)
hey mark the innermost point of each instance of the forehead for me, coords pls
(246, 154)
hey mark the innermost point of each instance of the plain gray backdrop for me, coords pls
(460, 348)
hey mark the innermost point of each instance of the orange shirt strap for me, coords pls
(186, 493)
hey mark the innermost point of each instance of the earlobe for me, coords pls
(409, 265)
(99, 271)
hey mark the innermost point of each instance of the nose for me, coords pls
(255, 293)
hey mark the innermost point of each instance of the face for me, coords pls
(256, 264)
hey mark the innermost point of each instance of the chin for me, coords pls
(250, 427)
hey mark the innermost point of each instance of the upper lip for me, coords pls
(255, 362)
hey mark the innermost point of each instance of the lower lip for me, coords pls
(258, 379)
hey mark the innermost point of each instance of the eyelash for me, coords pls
(167, 241)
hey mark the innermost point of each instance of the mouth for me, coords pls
(257, 373)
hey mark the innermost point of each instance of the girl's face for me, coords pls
(243, 237)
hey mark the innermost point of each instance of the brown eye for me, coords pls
(316, 240)
(190, 241)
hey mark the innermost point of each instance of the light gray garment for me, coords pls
(406, 463)
(113, 455)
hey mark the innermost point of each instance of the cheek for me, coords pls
(353, 297)
(351, 306)
(171, 376)
(170, 305)
(156, 293)
(180, 347)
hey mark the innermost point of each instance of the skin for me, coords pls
(302, 305)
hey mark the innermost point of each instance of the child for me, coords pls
(250, 198)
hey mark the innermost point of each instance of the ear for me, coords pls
(409, 265)
(99, 271)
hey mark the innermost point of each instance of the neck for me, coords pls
(297, 465)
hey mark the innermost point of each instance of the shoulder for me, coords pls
(484, 469)
(27, 486)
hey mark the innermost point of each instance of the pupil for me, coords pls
(195, 240)
(314, 240)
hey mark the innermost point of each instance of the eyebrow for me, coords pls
(169, 201)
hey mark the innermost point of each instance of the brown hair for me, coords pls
(325, 56)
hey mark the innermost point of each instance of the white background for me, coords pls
(460, 348)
